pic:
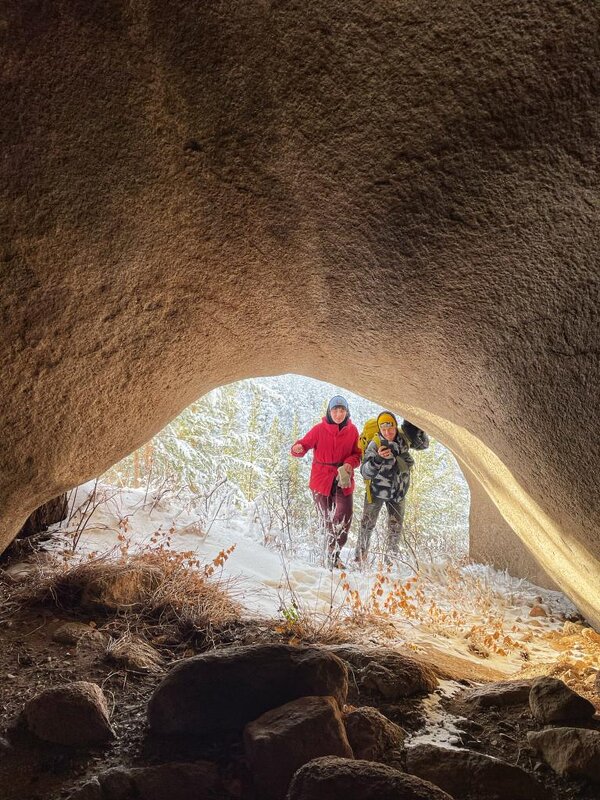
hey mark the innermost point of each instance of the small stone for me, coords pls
(74, 632)
(538, 611)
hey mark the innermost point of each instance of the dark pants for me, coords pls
(395, 521)
(335, 511)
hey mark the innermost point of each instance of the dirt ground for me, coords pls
(31, 661)
(33, 770)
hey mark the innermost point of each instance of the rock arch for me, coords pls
(402, 198)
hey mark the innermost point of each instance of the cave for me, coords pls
(395, 198)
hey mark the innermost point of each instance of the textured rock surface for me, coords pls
(160, 241)
(341, 779)
(281, 741)
(384, 672)
(551, 700)
(75, 714)
(471, 776)
(372, 736)
(165, 782)
(48, 514)
(569, 751)
(222, 691)
(502, 694)
(74, 632)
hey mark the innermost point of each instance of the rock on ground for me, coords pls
(165, 782)
(472, 776)
(75, 714)
(551, 700)
(282, 740)
(569, 751)
(372, 736)
(220, 692)
(71, 633)
(500, 695)
(342, 779)
(386, 673)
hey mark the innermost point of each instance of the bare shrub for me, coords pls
(185, 603)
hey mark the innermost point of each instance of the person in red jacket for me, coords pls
(336, 456)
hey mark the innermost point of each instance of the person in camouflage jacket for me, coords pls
(386, 468)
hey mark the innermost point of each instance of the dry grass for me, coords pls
(159, 595)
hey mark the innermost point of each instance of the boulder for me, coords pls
(372, 736)
(499, 695)
(471, 776)
(569, 751)
(342, 779)
(282, 740)
(165, 782)
(53, 511)
(385, 673)
(75, 715)
(220, 692)
(551, 700)
(117, 586)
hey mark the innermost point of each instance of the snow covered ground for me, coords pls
(470, 611)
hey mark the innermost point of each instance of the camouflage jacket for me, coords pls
(389, 477)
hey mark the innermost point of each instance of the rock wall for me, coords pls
(401, 198)
(492, 540)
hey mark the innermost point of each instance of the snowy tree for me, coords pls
(230, 450)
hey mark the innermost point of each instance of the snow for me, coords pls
(266, 582)
(441, 728)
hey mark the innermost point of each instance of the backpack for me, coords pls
(369, 432)
(409, 432)
(414, 437)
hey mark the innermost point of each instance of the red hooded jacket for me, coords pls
(333, 447)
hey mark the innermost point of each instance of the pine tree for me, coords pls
(251, 470)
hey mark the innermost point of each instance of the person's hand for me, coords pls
(384, 451)
(298, 450)
(348, 468)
